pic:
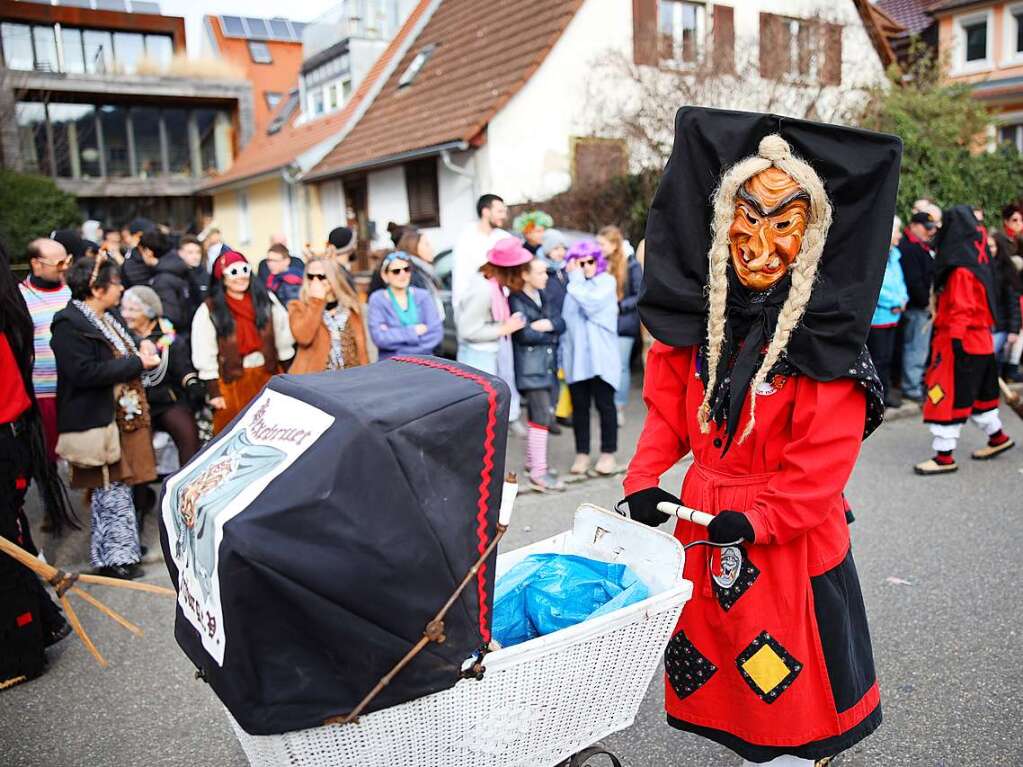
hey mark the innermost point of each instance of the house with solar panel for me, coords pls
(347, 54)
(479, 102)
(99, 96)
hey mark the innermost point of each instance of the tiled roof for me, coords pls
(948, 5)
(482, 58)
(913, 15)
(881, 29)
(266, 153)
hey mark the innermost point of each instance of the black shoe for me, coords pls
(55, 635)
(893, 400)
(554, 428)
(124, 572)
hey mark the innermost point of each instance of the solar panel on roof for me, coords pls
(257, 28)
(232, 26)
(141, 7)
(111, 5)
(280, 30)
(72, 3)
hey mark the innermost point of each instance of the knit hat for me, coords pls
(152, 307)
(553, 238)
(341, 238)
(507, 252)
(227, 258)
(524, 222)
(73, 244)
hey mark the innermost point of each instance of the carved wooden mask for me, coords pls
(767, 230)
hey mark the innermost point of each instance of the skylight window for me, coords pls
(414, 67)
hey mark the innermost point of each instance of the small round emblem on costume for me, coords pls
(765, 389)
(731, 567)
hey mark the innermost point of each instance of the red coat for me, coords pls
(958, 383)
(780, 660)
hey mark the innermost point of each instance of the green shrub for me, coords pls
(30, 207)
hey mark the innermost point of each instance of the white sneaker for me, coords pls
(517, 429)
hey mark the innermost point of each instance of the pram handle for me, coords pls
(684, 512)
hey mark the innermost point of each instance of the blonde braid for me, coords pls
(773, 150)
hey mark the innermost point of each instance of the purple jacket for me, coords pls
(391, 337)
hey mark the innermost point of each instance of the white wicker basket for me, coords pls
(541, 701)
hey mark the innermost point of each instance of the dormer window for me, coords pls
(414, 67)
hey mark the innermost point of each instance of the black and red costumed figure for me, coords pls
(962, 379)
(765, 250)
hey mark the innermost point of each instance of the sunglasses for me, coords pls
(587, 261)
(317, 277)
(237, 270)
(400, 269)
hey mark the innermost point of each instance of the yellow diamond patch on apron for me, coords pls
(935, 394)
(767, 667)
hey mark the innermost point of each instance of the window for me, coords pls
(1012, 135)
(316, 102)
(332, 99)
(1013, 46)
(260, 52)
(32, 140)
(160, 49)
(681, 30)
(45, 40)
(179, 155)
(145, 123)
(17, 40)
(800, 42)
(74, 52)
(421, 186)
(976, 41)
(973, 48)
(1017, 17)
(129, 49)
(272, 99)
(415, 66)
(75, 145)
(99, 51)
(114, 123)
(243, 216)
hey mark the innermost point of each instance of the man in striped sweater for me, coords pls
(46, 294)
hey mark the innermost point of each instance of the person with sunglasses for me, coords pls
(591, 356)
(240, 337)
(403, 319)
(45, 294)
(326, 320)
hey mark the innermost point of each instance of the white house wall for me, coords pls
(530, 139)
(386, 200)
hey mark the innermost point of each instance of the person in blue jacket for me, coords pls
(403, 319)
(591, 356)
(890, 305)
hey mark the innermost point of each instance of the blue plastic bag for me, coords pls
(545, 593)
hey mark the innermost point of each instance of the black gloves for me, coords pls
(730, 526)
(643, 505)
(195, 393)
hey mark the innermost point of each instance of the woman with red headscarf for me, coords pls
(240, 337)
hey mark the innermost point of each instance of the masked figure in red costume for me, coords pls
(962, 378)
(766, 247)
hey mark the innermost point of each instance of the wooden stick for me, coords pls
(76, 624)
(34, 564)
(102, 580)
(110, 613)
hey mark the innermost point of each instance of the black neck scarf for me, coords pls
(751, 318)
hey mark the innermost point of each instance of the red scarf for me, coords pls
(245, 330)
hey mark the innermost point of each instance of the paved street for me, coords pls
(938, 560)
